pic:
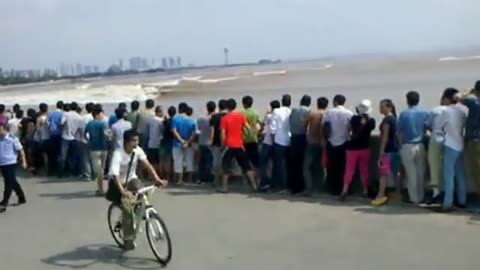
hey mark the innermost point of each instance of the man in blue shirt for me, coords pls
(97, 133)
(183, 128)
(472, 135)
(55, 125)
(412, 124)
(10, 148)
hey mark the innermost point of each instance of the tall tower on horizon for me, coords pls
(225, 51)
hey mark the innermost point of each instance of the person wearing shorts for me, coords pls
(96, 132)
(184, 131)
(389, 158)
(231, 127)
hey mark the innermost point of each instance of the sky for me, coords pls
(45, 33)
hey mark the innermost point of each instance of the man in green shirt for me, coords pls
(250, 136)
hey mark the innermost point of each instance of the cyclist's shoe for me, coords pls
(128, 245)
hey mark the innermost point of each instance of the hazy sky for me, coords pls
(39, 33)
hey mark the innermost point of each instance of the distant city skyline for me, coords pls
(102, 31)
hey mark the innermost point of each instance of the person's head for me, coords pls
(306, 101)
(364, 107)
(222, 104)
(60, 105)
(19, 114)
(247, 102)
(274, 104)
(286, 100)
(450, 95)
(413, 98)
(135, 105)
(89, 107)
(31, 113)
(231, 104)
(189, 111)
(211, 107)
(158, 111)
(16, 107)
(476, 88)
(149, 104)
(122, 105)
(2, 108)
(339, 100)
(73, 106)
(119, 113)
(96, 112)
(182, 108)
(322, 103)
(130, 140)
(79, 110)
(172, 111)
(43, 107)
(387, 107)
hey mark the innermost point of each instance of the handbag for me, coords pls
(113, 193)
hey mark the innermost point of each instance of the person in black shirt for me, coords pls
(358, 147)
(216, 141)
(166, 143)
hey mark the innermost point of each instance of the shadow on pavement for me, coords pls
(91, 255)
(71, 196)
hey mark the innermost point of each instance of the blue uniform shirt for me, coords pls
(185, 127)
(411, 125)
(9, 147)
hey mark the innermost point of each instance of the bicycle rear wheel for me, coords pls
(115, 223)
(157, 234)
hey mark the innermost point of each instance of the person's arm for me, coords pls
(193, 134)
(175, 132)
(400, 129)
(21, 154)
(151, 171)
(222, 131)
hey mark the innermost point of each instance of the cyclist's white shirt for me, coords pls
(120, 161)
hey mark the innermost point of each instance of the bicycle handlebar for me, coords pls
(147, 189)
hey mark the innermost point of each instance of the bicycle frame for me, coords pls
(145, 210)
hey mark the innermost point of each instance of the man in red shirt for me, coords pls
(231, 127)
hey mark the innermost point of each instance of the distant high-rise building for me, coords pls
(138, 63)
(171, 62)
(79, 70)
(96, 69)
(179, 62)
(225, 52)
(88, 69)
(152, 63)
(164, 63)
(63, 70)
(120, 64)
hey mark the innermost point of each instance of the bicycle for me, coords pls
(143, 212)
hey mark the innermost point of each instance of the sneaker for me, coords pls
(128, 245)
(380, 201)
(21, 201)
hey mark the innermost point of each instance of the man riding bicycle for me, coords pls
(124, 182)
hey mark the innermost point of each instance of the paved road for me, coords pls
(64, 227)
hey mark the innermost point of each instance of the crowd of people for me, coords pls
(279, 152)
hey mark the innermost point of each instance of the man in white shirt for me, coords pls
(71, 123)
(435, 148)
(337, 127)
(155, 131)
(452, 122)
(119, 128)
(280, 130)
(124, 181)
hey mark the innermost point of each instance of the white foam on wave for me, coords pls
(455, 58)
(100, 94)
(270, 72)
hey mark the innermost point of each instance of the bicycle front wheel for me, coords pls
(115, 223)
(159, 239)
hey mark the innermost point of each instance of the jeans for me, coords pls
(435, 162)
(414, 159)
(360, 158)
(69, 154)
(453, 172)
(335, 168)
(9, 173)
(298, 144)
(279, 173)
(313, 167)
(205, 164)
(266, 154)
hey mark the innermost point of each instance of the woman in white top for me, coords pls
(452, 123)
